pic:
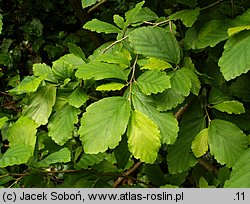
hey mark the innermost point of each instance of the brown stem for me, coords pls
(96, 6)
(212, 169)
(127, 173)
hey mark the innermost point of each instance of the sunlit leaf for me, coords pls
(152, 82)
(78, 97)
(235, 58)
(3, 120)
(87, 3)
(144, 139)
(154, 64)
(235, 30)
(200, 143)
(226, 141)
(110, 87)
(230, 107)
(62, 156)
(44, 71)
(40, 105)
(155, 42)
(101, 27)
(61, 124)
(103, 124)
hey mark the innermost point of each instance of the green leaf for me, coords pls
(87, 3)
(115, 57)
(180, 157)
(62, 156)
(180, 88)
(18, 154)
(230, 107)
(23, 132)
(28, 85)
(145, 14)
(3, 120)
(226, 141)
(103, 124)
(119, 21)
(44, 71)
(200, 143)
(154, 64)
(188, 17)
(110, 87)
(61, 124)
(155, 42)
(144, 139)
(210, 34)
(101, 27)
(122, 153)
(234, 60)
(167, 123)
(234, 30)
(191, 3)
(152, 82)
(131, 14)
(240, 175)
(78, 97)
(155, 174)
(100, 70)
(1, 23)
(77, 51)
(196, 84)
(88, 160)
(40, 104)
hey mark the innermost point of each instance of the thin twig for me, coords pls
(114, 43)
(127, 173)
(132, 77)
(182, 110)
(211, 5)
(212, 169)
(96, 6)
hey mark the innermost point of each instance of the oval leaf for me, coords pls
(101, 27)
(78, 97)
(200, 143)
(155, 42)
(152, 82)
(226, 141)
(103, 124)
(144, 139)
(110, 87)
(230, 107)
(61, 124)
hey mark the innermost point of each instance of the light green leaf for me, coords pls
(3, 120)
(28, 84)
(167, 123)
(188, 17)
(18, 154)
(110, 87)
(155, 42)
(87, 3)
(115, 57)
(144, 139)
(101, 27)
(200, 143)
(196, 84)
(234, 30)
(62, 156)
(78, 97)
(145, 14)
(61, 124)
(77, 51)
(240, 175)
(100, 70)
(88, 160)
(44, 71)
(1, 23)
(230, 107)
(210, 34)
(103, 124)
(119, 21)
(226, 141)
(23, 132)
(235, 58)
(152, 82)
(40, 104)
(180, 157)
(131, 14)
(73, 61)
(180, 88)
(153, 64)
